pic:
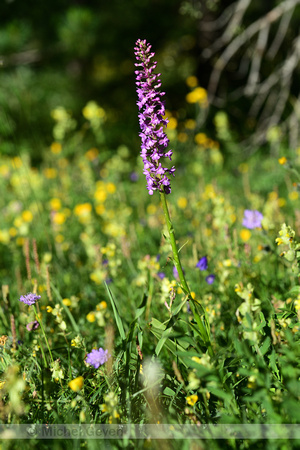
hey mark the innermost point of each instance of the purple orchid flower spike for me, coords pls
(152, 123)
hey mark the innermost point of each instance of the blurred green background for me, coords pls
(66, 53)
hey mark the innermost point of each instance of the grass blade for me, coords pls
(116, 313)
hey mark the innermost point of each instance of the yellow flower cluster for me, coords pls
(204, 141)
(101, 192)
(192, 399)
(286, 234)
(110, 406)
(198, 95)
(83, 212)
(147, 265)
(64, 123)
(57, 370)
(92, 154)
(93, 111)
(77, 342)
(98, 314)
(57, 312)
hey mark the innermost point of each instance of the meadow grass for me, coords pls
(82, 232)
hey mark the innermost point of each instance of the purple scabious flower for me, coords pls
(252, 219)
(29, 299)
(97, 357)
(202, 263)
(31, 326)
(152, 110)
(210, 279)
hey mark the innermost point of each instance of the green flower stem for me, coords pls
(201, 321)
(150, 295)
(44, 356)
(44, 334)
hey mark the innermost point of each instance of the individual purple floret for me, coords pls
(29, 298)
(97, 357)
(252, 219)
(175, 272)
(210, 279)
(202, 263)
(161, 275)
(152, 110)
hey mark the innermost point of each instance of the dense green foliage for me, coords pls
(80, 220)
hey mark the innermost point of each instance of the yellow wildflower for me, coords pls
(55, 148)
(92, 154)
(197, 359)
(4, 236)
(76, 384)
(55, 204)
(182, 202)
(190, 124)
(182, 137)
(12, 232)
(245, 235)
(111, 188)
(151, 209)
(16, 162)
(293, 195)
(172, 125)
(27, 216)
(59, 218)
(50, 173)
(91, 317)
(67, 302)
(83, 211)
(191, 81)
(282, 160)
(199, 95)
(92, 111)
(100, 195)
(4, 170)
(100, 209)
(102, 305)
(201, 139)
(192, 399)
(20, 241)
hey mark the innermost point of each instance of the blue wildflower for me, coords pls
(210, 279)
(202, 263)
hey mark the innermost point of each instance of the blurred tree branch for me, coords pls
(269, 75)
(21, 58)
